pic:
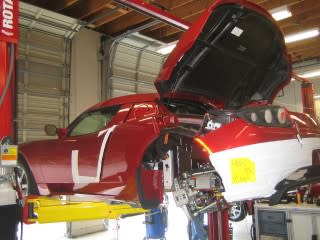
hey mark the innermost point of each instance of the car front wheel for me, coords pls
(25, 179)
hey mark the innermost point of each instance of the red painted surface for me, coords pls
(8, 34)
(306, 95)
(240, 133)
(218, 225)
(9, 17)
(188, 38)
(307, 98)
(7, 107)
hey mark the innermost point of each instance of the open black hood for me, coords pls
(234, 54)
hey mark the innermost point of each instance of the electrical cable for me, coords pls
(9, 77)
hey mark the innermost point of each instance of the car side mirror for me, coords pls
(50, 129)
(62, 132)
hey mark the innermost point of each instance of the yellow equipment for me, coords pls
(49, 210)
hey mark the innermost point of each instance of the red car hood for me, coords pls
(233, 54)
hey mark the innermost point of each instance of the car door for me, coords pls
(77, 158)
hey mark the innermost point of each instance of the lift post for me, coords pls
(218, 223)
(50, 210)
(8, 153)
(306, 95)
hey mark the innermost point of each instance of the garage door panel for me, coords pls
(43, 71)
(133, 70)
(123, 72)
(34, 112)
(146, 77)
(42, 68)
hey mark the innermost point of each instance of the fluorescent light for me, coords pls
(310, 74)
(280, 13)
(316, 97)
(302, 35)
(166, 49)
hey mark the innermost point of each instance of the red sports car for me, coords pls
(211, 128)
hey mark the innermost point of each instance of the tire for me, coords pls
(237, 212)
(26, 179)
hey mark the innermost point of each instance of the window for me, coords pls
(92, 122)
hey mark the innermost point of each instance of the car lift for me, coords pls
(8, 151)
(49, 210)
(306, 95)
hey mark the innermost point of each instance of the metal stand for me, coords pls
(218, 222)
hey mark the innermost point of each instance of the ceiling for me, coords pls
(108, 17)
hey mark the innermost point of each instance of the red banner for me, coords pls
(9, 10)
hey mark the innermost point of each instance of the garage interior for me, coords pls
(72, 54)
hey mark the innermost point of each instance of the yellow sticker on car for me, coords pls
(243, 170)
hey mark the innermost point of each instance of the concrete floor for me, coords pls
(130, 228)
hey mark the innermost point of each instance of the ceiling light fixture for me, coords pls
(166, 49)
(310, 74)
(302, 35)
(316, 97)
(280, 13)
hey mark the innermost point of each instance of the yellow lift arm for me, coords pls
(49, 210)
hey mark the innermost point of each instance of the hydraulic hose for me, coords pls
(9, 77)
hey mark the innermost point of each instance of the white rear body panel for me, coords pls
(253, 171)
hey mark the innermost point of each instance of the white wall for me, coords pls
(291, 98)
(85, 86)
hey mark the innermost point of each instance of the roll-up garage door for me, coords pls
(43, 71)
(133, 70)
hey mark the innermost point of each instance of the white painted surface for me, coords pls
(271, 166)
(75, 165)
(85, 86)
(290, 98)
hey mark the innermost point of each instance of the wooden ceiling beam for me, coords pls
(305, 55)
(303, 44)
(123, 23)
(166, 32)
(304, 6)
(190, 14)
(172, 37)
(271, 4)
(174, 6)
(306, 49)
(87, 8)
(111, 17)
(59, 5)
(169, 4)
(302, 26)
(299, 19)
